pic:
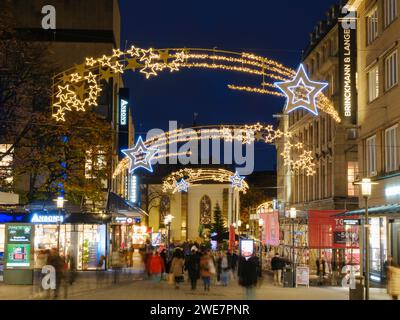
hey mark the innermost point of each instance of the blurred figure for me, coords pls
(225, 269)
(72, 266)
(163, 256)
(58, 263)
(100, 274)
(233, 260)
(156, 266)
(193, 267)
(248, 275)
(116, 261)
(207, 269)
(277, 265)
(394, 282)
(177, 265)
(388, 263)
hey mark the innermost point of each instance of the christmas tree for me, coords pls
(218, 227)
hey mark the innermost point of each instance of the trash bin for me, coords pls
(358, 292)
(288, 277)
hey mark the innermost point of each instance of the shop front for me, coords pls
(82, 237)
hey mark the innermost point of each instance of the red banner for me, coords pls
(326, 231)
(271, 228)
(232, 237)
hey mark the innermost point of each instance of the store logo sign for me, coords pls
(47, 219)
(123, 112)
(49, 20)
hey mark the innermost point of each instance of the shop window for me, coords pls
(352, 172)
(205, 210)
(165, 207)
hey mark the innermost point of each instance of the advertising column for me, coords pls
(19, 254)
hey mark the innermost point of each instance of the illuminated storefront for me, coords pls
(82, 237)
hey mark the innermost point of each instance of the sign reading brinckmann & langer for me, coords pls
(347, 73)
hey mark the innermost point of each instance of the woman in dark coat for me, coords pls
(193, 267)
(248, 275)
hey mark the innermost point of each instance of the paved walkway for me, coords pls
(87, 287)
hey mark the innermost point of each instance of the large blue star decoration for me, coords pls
(140, 156)
(182, 186)
(301, 92)
(237, 181)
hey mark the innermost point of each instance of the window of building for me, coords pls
(352, 173)
(391, 149)
(373, 84)
(372, 25)
(391, 71)
(390, 11)
(205, 210)
(371, 156)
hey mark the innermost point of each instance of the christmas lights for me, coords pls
(237, 181)
(152, 61)
(182, 186)
(140, 156)
(301, 92)
(192, 176)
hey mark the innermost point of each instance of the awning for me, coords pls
(120, 206)
(379, 210)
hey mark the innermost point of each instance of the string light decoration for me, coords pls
(85, 80)
(295, 156)
(140, 156)
(193, 177)
(182, 186)
(301, 92)
(237, 181)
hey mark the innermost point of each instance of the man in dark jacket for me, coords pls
(192, 265)
(277, 265)
(248, 275)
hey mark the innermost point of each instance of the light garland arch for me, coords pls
(79, 87)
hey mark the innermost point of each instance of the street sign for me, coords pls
(352, 222)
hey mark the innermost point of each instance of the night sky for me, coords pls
(275, 29)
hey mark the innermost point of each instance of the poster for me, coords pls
(302, 276)
(246, 248)
(156, 239)
(19, 233)
(18, 255)
(271, 228)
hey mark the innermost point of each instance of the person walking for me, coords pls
(277, 265)
(156, 267)
(248, 275)
(177, 265)
(207, 269)
(394, 282)
(193, 267)
(225, 268)
(58, 263)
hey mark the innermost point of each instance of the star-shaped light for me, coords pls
(182, 186)
(301, 92)
(237, 181)
(140, 156)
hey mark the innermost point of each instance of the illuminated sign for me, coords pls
(347, 73)
(392, 191)
(124, 112)
(47, 219)
(133, 189)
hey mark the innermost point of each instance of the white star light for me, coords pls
(237, 181)
(301, 92)
(140, 156)
(182, 186)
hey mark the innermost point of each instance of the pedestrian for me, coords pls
(156, 266)
(277, 264)
(218, 260)
(394, 282)
(177, 265)
(388, 263)
(116, 265)
(207, 269)
(225, 269)
(193, 267)
(248, 275)
(58, 264)
(233, 261)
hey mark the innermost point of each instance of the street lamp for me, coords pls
(60, 205)
(167, 222)
(366, 191)
(247, 230)
(293, 215)
(261, 225)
